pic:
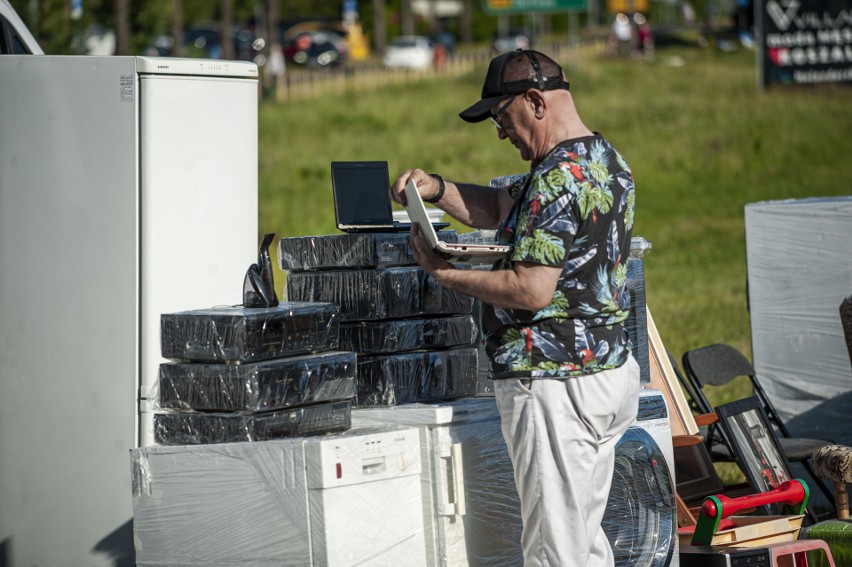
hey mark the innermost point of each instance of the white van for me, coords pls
(15, 38)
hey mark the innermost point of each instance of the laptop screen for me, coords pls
(361, 192)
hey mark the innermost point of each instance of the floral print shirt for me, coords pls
(573, 210)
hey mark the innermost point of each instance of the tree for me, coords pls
(379, 31)
(176, 30)
(122, 27)
(226, 25)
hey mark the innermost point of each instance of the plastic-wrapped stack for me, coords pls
(415, 340)
(637, 321)
(251, 374)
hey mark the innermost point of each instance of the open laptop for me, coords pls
(466, 253)
(361, 200)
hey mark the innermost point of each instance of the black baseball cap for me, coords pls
(515, 72)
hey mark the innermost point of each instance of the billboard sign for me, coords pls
(805, 41)
(500, 7)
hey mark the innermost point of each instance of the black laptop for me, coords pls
(361, 199)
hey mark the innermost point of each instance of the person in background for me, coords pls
(566, 385)
(621, 35)
(644, 36)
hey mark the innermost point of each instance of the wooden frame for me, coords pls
(663, 378)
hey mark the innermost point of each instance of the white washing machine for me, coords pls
(641, 515)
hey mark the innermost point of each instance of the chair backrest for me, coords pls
(716, 365)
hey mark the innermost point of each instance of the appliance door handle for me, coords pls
(458, 479)
(451, 481)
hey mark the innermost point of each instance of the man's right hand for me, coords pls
(426, 185)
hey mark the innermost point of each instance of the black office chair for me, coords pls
(718, 364)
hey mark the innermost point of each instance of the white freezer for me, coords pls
(128, 189)
(470, 505)
(329, 501)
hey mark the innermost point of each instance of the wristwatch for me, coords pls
(441, 188)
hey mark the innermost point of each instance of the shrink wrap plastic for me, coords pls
(381, 337)
(799, 272)
(637, 321)
(416, 377)
(388, 293)
(358, 250)
(242, 334)
(478, 237)
(196, 428)
(259, 386)
(641, 517)
(280, 503)
(837, 534)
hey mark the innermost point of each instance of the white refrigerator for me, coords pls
(128, 189)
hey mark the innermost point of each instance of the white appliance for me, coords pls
(471, 508)
(128, 189)
(641, 516)
(471, 503)
(335, 501)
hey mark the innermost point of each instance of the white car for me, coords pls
(15, 38)
(409, 51)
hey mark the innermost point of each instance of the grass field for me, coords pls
(703, 142)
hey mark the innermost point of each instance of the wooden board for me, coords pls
(752, 531)
(664, 379)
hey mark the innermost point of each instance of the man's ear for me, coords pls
(539, 103)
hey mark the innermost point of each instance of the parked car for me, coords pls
(316, 49)
(15, 38)
(409, 51)
(204, 40)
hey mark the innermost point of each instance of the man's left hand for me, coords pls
(425, 256)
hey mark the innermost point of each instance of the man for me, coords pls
(565, 383)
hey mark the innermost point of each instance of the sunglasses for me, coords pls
(495, 116)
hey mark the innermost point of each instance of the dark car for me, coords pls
(204, 40)
(317, 49)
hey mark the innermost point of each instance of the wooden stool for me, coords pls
(834, 463)
(795, 553)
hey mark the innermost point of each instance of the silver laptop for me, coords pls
(465, 253)
(361, 199)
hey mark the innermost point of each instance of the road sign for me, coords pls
(499, 7)
(804, 42)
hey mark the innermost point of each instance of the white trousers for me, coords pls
(561, 435)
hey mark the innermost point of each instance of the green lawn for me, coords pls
(702, 139)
